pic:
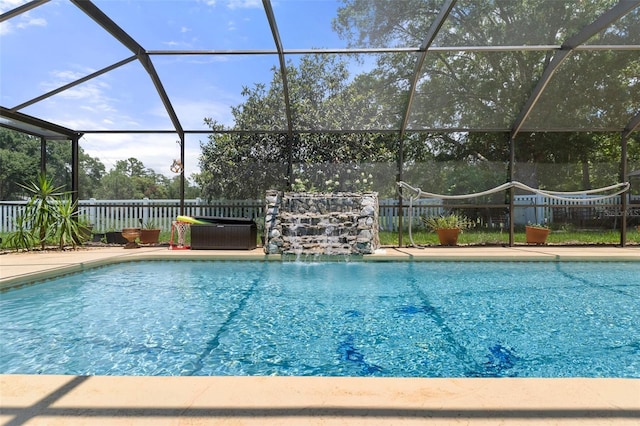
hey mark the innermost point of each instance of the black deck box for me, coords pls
(222, 233)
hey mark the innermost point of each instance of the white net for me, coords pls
(179, 231)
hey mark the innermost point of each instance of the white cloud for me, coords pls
(22, 21)
(32, 22)
(7, 5)
(156, 152)
(193, 112)
(244, 4)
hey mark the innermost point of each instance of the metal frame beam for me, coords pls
(21, 9)
(378, 50)
(424, 47)
(123, 37)
(602, 22)
(283, 64)
(74, 83)
(426, 44)
(634, 125)
(271, 18)
(63, 133)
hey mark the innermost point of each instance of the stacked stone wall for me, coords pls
(341, 223)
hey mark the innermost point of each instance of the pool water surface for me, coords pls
(396, 319)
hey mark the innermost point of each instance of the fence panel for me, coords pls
(388, 213)
(535, 208)
(109, 215)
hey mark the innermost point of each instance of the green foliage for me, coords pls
(450, 221)
(150, 224)
(40, 209)
(22, 238)
(323, 95)
(483, 90)
(19, 155)
(66, 222)
(538, 225)
(49, 214)
(19, 162)
(486, 237)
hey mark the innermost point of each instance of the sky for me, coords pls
(56, 43)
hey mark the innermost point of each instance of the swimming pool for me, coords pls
(400, 319)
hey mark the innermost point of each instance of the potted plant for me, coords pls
(131, 235)
(149, 233)
(114, 237)
(448, 227)
(536, 233)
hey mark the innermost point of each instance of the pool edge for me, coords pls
(26, 268)
(267, 400)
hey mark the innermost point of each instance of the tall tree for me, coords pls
(323, 96)
(20, 163)
(485, 89)
(130, 179)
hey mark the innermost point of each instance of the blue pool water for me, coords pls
(328, 319)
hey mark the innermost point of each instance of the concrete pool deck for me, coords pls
(71, 400)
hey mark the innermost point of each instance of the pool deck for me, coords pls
(99, 400)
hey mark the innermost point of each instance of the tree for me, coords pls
(488, 89)
(130, 179)
(20, 162)
(323, 96)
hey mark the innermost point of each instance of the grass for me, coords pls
(491, 237)
(478, 237)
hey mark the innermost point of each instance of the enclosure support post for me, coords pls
(623, 196)
(181, 173)
(400, 176)
(43, 155)
(75, 169)
(512, 190)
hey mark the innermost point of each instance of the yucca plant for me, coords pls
(21, 238)
(39, 212)
(66, 221)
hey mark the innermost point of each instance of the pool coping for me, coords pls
(82, 400)
(49, 399)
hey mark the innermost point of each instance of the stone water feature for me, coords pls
(301, 223)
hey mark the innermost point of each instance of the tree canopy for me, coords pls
(128, 179)
(476, 89)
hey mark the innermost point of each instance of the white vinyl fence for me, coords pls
(109, 215)
(536, 208)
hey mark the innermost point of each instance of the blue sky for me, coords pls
(57, 43)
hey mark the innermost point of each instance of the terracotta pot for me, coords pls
(149, 236)
(448, 236)
(536, 235)
(131, 234)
